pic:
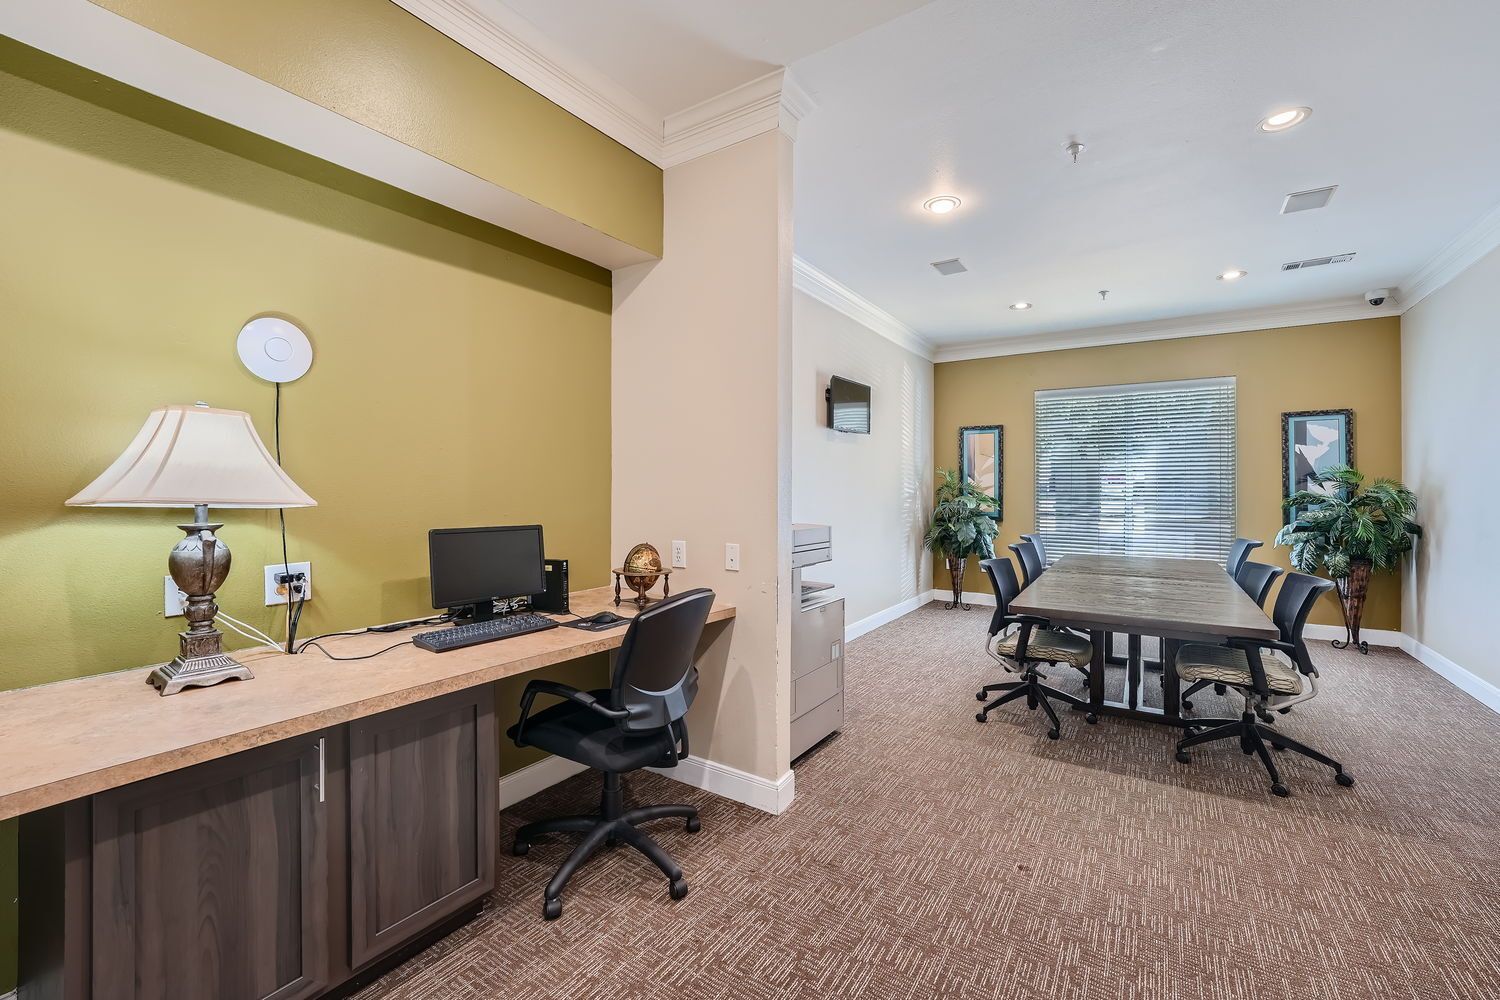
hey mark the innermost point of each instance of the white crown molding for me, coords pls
(87, 35)
(1239, 321)
(770, 102)
(835, 294)
(1454, 259)
(508, 41)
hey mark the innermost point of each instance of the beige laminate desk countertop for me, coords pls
(73, 738)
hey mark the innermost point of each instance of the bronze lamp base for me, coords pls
(199, 565)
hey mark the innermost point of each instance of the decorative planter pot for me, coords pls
(1352, 591)
(956, 569)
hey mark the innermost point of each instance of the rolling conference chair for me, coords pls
(1041, 550)
(1255, 579)
(635, 723)
(1031, 562)
(1238, 553)
(1034, 641)
(1269, 683)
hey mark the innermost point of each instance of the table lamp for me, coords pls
(198, 457)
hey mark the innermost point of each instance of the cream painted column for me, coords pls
(701, 429)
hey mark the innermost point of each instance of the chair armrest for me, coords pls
(1243, 643)
(566, 693)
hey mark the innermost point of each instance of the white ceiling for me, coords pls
(978, 97)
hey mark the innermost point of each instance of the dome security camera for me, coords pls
(1378, 296)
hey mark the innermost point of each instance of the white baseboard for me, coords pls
(523, 784)
(774, 797)
(8, 996)
(879, 618)
(970, 597)
(1374, 636)
(721, 779)
(1469, 683)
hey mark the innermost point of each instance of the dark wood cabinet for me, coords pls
(423, 812)
(213, 881)
(277, 873)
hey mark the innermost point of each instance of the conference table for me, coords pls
(1174, 600)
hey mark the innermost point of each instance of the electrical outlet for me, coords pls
(173, 599)
(276, 591)
(732, 556)
(679, 555)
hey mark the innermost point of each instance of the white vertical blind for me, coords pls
(1145, 469)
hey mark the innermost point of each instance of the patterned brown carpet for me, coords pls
(929, 856)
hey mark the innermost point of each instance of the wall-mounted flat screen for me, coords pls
(848, 406)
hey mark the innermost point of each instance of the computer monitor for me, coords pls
(471, 567)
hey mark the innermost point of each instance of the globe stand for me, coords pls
(642, 585)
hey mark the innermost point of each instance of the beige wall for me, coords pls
(376, 64)
(702, 365)
(1450, 354)
(874, 490)
(135, 246)
(1355, 365)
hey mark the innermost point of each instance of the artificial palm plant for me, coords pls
(1350, 530)
(962, 526)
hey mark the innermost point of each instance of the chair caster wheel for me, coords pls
(679, 888)
(1280, 790)
(551, 909)
(520, 848)
(1182, 757)
(1187, 704)
(693, 825)
(1347, 780)
(1092, 718)
(1053, 734)
(979, 696)
(981, 717)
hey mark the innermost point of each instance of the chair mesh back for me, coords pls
(1036, 543)
(1003, 578)
(1238, 553)
(654, 675)
(1299, 592)
(1031, 563)
(1256, 578)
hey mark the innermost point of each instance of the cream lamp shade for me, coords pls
(189, 456)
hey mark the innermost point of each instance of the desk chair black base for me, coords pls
(1253, 736)
(1036, 693)
(612, 825)
(1199, 686)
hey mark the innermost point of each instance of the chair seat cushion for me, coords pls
(1050, 646)
(570, 730)
(1226, 665)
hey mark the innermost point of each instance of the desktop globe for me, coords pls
(640, 571)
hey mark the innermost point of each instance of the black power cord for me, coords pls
(293, 587)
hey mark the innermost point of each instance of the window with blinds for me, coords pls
(1144, 469)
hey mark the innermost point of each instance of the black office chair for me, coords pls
(636, 723)
(1255, 579)
(1036, 543)
(1032, 565)
(1238, 553)
(1270, 685)
(1033, 642)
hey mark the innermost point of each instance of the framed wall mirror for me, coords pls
(981, 454)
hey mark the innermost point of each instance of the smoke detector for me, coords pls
(950, 266)
(1304, 201)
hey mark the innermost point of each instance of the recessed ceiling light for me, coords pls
(1285, 119)
(1020, 305)
(942, 204)
(1233, 275)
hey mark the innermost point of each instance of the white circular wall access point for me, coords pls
(274, 349)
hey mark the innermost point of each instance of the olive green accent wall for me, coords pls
(139, 237)
(376, 64)
(1335, 365)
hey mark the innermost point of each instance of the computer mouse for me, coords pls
(605, 618)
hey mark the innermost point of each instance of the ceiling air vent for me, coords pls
(1298, 265)
(950, 266)
(1304, 201)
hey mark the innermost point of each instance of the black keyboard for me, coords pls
(474, 633)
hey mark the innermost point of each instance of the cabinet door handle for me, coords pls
(322, 765)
